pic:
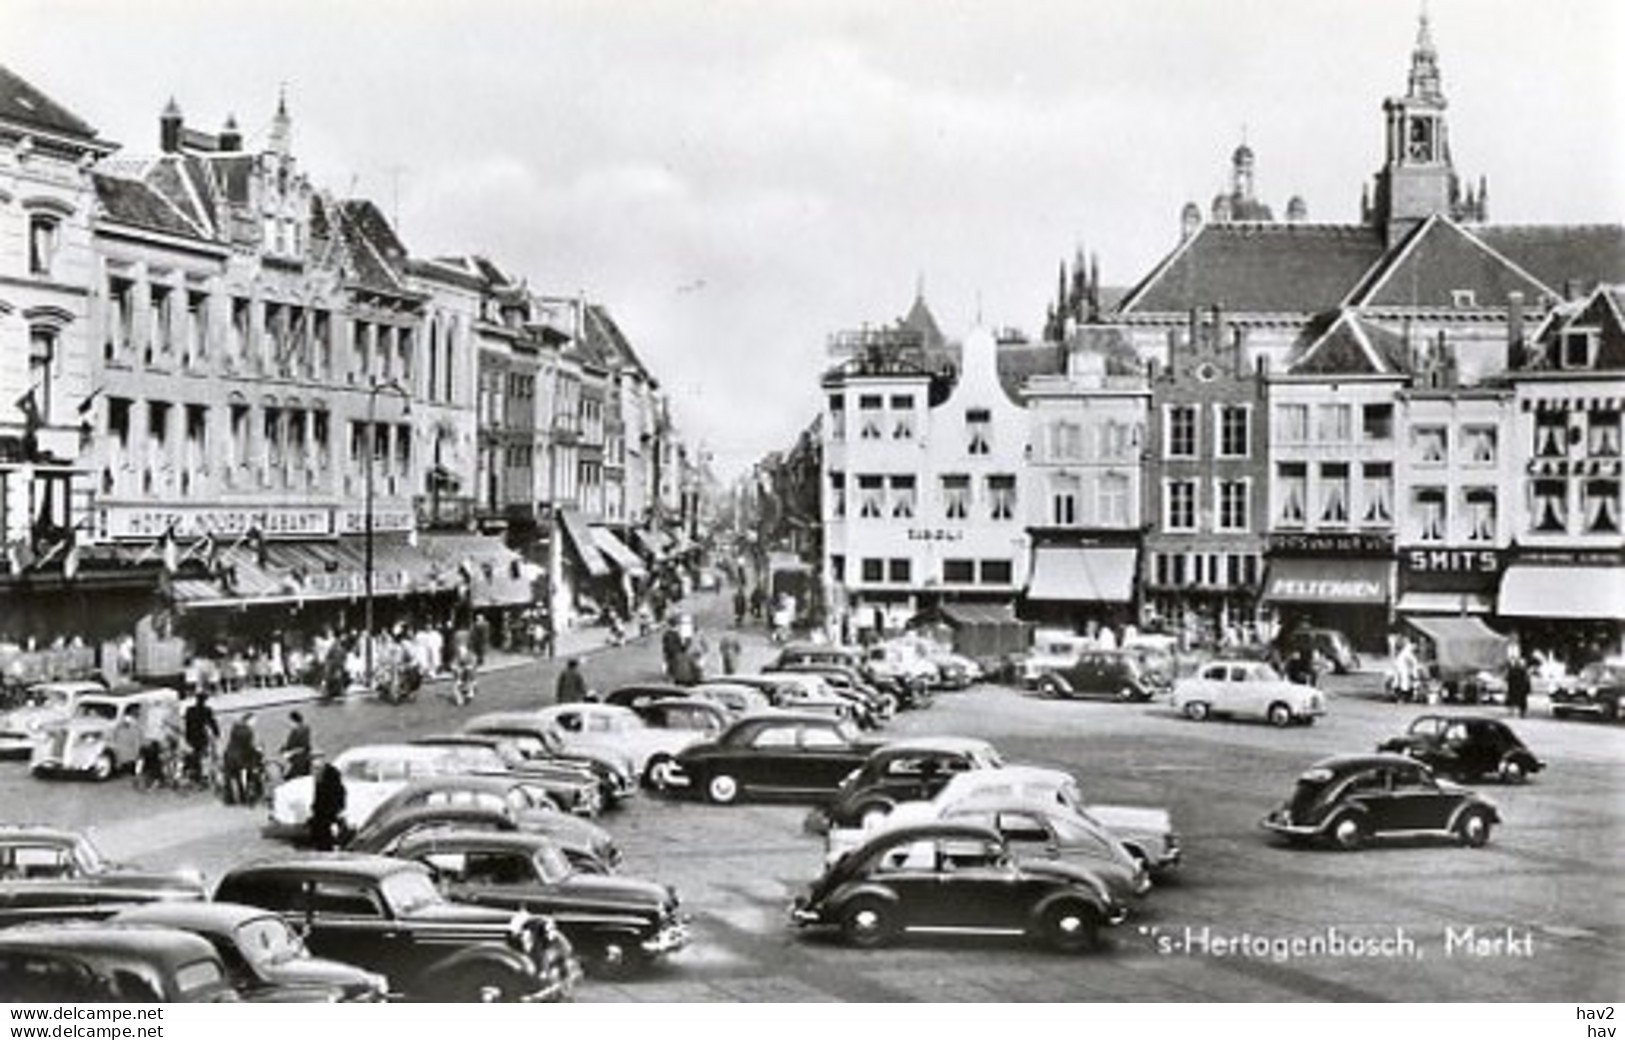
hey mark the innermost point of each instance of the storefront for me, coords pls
(1570, 603)
(587, 579)
(1079, 582)
(1447, 581)
(1341, 581)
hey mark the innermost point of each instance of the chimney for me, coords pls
(1515, 349)
(170, 125)
(1221, 339)
(231, 138)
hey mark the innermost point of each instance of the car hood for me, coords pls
(609, 891)
(75, 726)
(1405, 742)
(321, 972)
(463, 913)
(1133, 818)
(564, 829)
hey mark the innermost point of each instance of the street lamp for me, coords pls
(394, 387)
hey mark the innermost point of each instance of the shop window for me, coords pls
(997, 572)
(898, 571)
(958, 572)
(874, 571)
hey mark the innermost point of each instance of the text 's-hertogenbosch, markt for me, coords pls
(1409, 416)
(219, 381)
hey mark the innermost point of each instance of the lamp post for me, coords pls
(394, 387)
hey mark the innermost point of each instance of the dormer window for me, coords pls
(1463, 298)
(1579, 348)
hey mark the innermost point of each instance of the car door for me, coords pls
(909, 871)
(824, 758)
(349, 921)
(1371, 791)
(1416, 801)
(490, 877)
(978, 884)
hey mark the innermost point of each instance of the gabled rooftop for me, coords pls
(23, 105)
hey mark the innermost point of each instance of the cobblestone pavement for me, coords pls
(1553, 872)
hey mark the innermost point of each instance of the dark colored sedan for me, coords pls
(1466, 747)
(1354, 799)
(49, 872)
(613, 922)
(788, 755)
(588, 846)
(910, 770)
(952, 877)
(1599, 691)
(96, 962)
(264, 958)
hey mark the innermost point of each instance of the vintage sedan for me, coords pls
(1466, 747)
(798, 691)
(1114, 674)
(907, 770)
(386, 915)
(1598, 690)
(607, 727)
(636, 696)
(788, 755)
(51, 872)
(737, 698)
(690, 714)
(103, 735)
(1243, 689)
(1351, 800)
(571, 786)
(97, 962)
(43, 705)
(371, 772)
(263, 956)
(942, 877)
(613, 922)
(589, 847)
(616, 770)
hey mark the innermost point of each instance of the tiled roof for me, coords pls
(21, 103)
(133, 202)
(1267, 268)
(1018, 362)
(371, 248)
(233, 173)
(1602, 312)
(168, 179)
(1583, 253)
(1353, 346)
(599, 323)
(198, 173)
(1436, 261)
(920, 319)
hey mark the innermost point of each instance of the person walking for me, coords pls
(730, 649)
(671, 648)
(572, 685)
(741, 604)
(327, 808)
(202, 730)
(480, 638)
(1518, 687)
(295, 751)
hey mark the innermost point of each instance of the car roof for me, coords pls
(98, 939)
(411, 752)
(548, 712)
(513, 720)
(71, 686)
(671, 689)
(506, 841)
(340, 864)
(1019, 774)
(785, 718)
(924, 831)
(499, 782)
(10, 832)
(906, 745)
(192, 915)
(1459, 718)
(1340, 764)
(150, 693)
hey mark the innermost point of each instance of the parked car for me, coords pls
(589, 846)
(97, 962)
(1353, 799)
(867, 706)
(605, 726)
(371, 772)
(804, 692)
(790, 754)
(955, 877)
(637, 695)
(1598, 690)
(902, 771)
(264, 958)
(52, 872)
(571, 786)
(1051, 650)
(386, 915)
(613, 922)
(102, 736)
(1466, 747)
(1100, 673)
(1332, 646)
(536, 738)
(43, 705)
(1246, 689)
(736, 698)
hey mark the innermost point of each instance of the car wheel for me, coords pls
(868, 923)
(1126, 694)
(657, 774)
(1474, 828)
(105, 767)
(1350, 833)
(1071, 926)
(1049, 687)
(1197, 710)
(1279, 714)
(722, 789)
(1512, 772)
(873, 815)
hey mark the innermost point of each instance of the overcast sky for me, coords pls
(736, 179)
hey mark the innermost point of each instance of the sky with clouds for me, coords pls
(737, 180)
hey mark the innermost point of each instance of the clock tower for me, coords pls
(1417, 179)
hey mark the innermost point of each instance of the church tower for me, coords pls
(1417, 179)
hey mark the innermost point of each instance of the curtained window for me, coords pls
(902, 498)
(956, 496)
(1293, 481)
(1334, 493)
(1602, 506)
(1550, 509)
(1602, 434)
(1480, 514)
(1428, 443)
(1377, 489)
(871, 494)
(1428, 512)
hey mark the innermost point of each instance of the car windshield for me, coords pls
(551, 865)
(96, 710)
(268, 940)
(408, 891)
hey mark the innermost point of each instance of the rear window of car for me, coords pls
(197, 976)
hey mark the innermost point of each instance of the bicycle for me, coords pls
(245, 784)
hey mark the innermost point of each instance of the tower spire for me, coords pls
(281, 125)
(1424, 78)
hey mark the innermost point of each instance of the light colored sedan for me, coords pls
(585, 726)
(43, 705)
(372, 773)
(1246, 689)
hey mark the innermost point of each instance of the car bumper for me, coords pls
(1278, 823)
(1586, 707)
(677, 779)
(672, 937)
(16, 745)
(802, 917)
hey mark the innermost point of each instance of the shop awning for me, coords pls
(497, 576)
(646, 543)
(617, 551)
(1444, 603)
(1533, 591)
(579, 535)
(1328, 580)
(1082, 574)
(965, 614)
(1461, 642)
